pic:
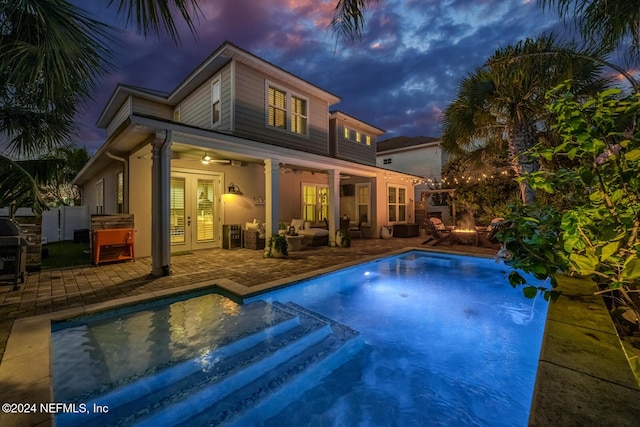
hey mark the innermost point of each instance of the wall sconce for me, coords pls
(233, 189)
(206, 159)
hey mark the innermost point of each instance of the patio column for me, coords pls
(160, 203)
(334, 204)
(272, 192)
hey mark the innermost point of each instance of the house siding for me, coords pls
(151, 108)
(119, 118)
(425, 162)
(195, 109)
(89, 191)
(250, 114)
(140, 202)
(350, 149)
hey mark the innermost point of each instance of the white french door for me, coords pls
(195, 211)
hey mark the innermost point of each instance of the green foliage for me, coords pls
(483, 192)
(594, 234)
(344, 238)
(276, 242)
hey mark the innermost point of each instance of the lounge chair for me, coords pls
(438, 235)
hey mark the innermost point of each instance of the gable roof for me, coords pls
(404, 142)
(224, 54)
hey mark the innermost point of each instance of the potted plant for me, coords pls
(386, 232)
(343, 238)
(276, 247)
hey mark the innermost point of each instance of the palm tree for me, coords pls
(605, 22)
(504, 100)
(52, 55)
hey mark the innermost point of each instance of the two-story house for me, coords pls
(238, 139)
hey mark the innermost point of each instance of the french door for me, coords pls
(195, 211)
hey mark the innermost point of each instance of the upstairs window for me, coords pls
(277, 108)
(386, 161)
(299, 115)
(287, 111)
(346, 132)
(358, 137)
(368, 140)
(215, 102)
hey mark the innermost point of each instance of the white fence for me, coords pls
(58, 223)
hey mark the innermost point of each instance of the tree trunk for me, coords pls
(522, 136)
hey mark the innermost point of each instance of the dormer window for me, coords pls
(287, 111)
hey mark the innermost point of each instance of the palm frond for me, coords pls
(51, 58)
(19, 187)
(607, 23)
(157, 15)
(348, 18)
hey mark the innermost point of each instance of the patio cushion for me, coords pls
(298, 224)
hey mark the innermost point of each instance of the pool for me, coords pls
(423, 339)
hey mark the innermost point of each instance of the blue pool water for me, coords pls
(446, 342)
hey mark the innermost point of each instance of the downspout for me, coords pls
(125, 178)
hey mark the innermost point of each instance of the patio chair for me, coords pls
(355, 231)
(438, 235)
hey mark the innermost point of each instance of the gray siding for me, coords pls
(250, 114)
(119, 117)
(195, 109)
(350, 149)
(151, 108)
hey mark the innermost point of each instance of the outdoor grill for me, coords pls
(13, 252)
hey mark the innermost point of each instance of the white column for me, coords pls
(160, 201)
(334, 204)
(272, 192)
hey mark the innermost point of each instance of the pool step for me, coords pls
(277, 388)
(233, 373)
(251, 378)
(261, 389)
(261, 322)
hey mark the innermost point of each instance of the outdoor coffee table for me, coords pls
(294, 243)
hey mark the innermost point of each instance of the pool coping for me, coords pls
(569, 390)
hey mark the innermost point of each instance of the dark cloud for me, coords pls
(399, 76)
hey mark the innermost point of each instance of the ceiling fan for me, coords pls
(205, 160)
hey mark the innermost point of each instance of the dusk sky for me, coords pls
(399, 77)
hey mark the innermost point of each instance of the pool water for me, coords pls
(447, 341)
